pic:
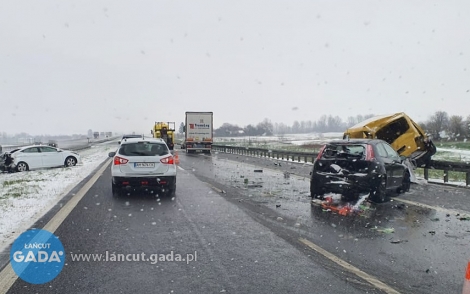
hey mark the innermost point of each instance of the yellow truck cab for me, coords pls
(401, 132)
(165, 131)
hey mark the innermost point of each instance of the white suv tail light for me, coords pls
(119, 160)
(168, 160)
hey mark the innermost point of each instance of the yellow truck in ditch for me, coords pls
(401, 132)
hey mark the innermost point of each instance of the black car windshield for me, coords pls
(144, 149)
(335, 151)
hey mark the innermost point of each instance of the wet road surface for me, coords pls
(417, 242)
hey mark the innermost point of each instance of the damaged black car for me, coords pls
(355, 166)
(6, 161)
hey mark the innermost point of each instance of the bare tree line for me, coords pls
(439, 125)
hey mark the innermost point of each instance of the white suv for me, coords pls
(144, 164)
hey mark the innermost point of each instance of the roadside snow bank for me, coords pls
(26, 197)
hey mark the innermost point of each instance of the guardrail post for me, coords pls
(446, 176)
(426, 173)
(467, 178)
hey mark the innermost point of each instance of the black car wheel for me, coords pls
(379, 194)
(171, 192)
(316, 191)
(115, 190)
(406, 183)
(70, 161)
(22, 166)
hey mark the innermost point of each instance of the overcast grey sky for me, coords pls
(70, 66)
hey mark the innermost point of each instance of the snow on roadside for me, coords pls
(25, 197)
(451, 154)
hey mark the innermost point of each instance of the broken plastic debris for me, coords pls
(386, 230)
(258, 170)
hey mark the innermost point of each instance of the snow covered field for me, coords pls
(450, 154)
(26, 197)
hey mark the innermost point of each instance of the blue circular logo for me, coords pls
(37, 256)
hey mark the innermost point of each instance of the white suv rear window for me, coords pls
(143, 149)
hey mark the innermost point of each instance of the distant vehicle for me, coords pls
(128, 137)
(165, 131)
(40, 156)
(351, 167)
(199, 132)
(96, 135)
(401, 132)
(52, 143)
(143, 164)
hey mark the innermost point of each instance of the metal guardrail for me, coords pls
(73, 144)
(309, 157)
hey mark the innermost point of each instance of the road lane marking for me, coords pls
(7, 275)
(370, 279)
(214, 188)
(179, 167)
(437, 208)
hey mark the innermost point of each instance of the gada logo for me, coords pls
(37, 256)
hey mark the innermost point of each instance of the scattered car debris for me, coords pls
(400, 206)
(278, 205)
(334, 203)
(386, 230)
(258, 170)
(398, 241)
(465, 217)
(286, 175)
(432, 232)
(254, 186)
(436, 219)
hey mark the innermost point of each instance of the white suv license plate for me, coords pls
(144, 164)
